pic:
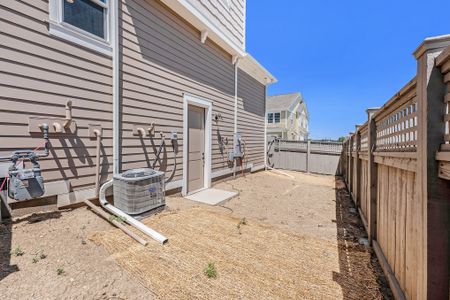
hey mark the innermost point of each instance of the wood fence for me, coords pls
(397, 169)
(320, 157)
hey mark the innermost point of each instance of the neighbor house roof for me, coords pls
(282, 102)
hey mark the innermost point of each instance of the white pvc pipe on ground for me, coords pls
(127, 218)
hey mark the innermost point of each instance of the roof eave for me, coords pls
(251, 66)
(192, 15)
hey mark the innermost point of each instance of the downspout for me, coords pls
(236, 68)
(265, 127)
(116, 133)
(98, 136)
(116, 85)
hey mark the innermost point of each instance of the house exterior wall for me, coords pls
(228, 19)
(161, 59)
(38, 74)
(251, 116)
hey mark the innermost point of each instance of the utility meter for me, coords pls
(237, 144)
(26, 184)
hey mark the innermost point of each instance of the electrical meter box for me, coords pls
(237, 144)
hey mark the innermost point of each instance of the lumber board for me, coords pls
(393, 283)
(407, 164)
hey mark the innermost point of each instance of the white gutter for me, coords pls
(116, 84)
(265, 127)
(116, 131)
(236, 69)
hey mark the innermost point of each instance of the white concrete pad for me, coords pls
(211, 196)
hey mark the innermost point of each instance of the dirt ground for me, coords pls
(299, 241)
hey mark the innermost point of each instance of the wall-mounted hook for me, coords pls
(57, 127)
(68, 121)
(141, 131)
(151, 129)
(217, 117)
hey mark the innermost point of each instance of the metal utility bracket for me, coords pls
(143, 130)
(56, 125)
(93, 128)
(139, 130)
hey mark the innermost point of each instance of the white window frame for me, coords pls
(279, 120)
(273, 117)
(79, 36)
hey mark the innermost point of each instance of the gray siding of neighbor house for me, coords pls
(38, 74)
(230, 21)
(251, 116)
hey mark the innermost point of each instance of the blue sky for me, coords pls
(343, 56)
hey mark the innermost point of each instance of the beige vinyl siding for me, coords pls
(230, 21)
(38, 74)
(251, 116)
(163, 58)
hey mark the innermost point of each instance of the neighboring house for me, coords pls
(287, 117)
(125, 65)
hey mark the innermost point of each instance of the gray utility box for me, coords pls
(139, 190)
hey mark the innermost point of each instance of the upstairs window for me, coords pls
(276, 117)
(273, 117)
(84, 22)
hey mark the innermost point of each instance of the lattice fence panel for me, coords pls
(446, 145)
(397, 132)
(364, 146)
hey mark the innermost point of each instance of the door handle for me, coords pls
(203, 157)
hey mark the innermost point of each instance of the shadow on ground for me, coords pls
(353, 264)
(5, 248)
(6, 233)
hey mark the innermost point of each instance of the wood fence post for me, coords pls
(308, 154)
(433, 192)
(372, 179)
(346, 161)
(350, 165)
(349, 158)
(357, 166)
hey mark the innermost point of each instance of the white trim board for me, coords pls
(207, 105)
